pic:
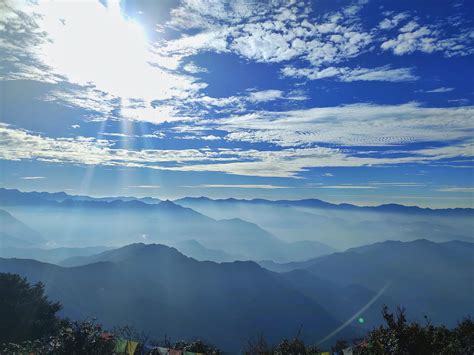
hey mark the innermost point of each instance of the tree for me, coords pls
(71, 338)
(398, 336)
(294, 346)
(25, 311)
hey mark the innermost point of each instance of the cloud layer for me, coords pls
(115, 70)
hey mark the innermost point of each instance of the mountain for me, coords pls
(113, 255)
(316, 203)
(14, 233)
(53, 255)
(11, 197)
(433, 279)
(162, 292)
(199, 252)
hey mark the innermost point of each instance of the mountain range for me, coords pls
(316, 203)
(341, 226)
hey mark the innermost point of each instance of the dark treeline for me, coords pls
(29, 324)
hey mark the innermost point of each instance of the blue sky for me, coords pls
(366, 102)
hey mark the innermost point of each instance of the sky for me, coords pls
(366, 102)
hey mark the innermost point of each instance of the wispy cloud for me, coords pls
(194, 69)
(238, 186)
(351, 125)
(363, 187)
(385, 73)
(457, 189)
(295, 132)
(427, 38)
(33, 177)
(265, 96)
(438, 90)
(398, 184)
(145, 187)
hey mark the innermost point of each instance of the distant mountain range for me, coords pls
(341, 226)
(99, 222)
(162, 292)
(11, 196)
(16, 197)
(316, 203)
(49, 255)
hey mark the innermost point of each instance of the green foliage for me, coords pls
(400, 337)
(71, 337)
(77, 337)
(295, 346)
(25, 312)
(396, 337)
(198, 346)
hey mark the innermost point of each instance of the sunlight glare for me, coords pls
(93, 44)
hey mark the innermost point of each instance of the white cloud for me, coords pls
(264, 45)
(460, 102)
(414, 37)
(356, 187)
(389, 23)
(275, 32)
(18, 144)
(351, 125)
(110, 58)
(385, 73)
(290, 162)
(253, 186)
(33, 177)
(468, 190)
(439, 90)
(265, 96)
(194, 69)
(398, 184)
(145, 186)
(240, 103)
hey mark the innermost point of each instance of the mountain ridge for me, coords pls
(317, 203)
(310, 202)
